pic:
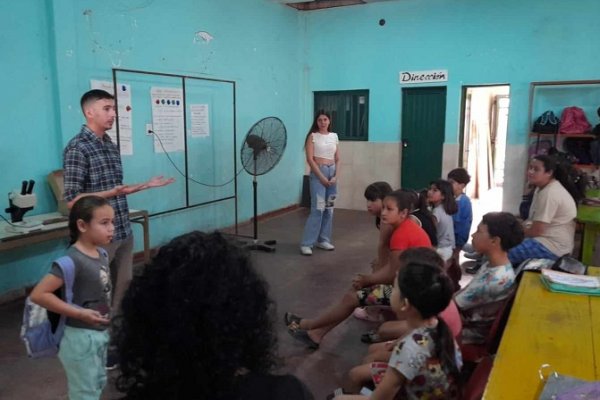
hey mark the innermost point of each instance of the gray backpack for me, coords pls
(42, 330)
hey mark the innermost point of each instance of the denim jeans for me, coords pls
(529, 248)
(319, 223)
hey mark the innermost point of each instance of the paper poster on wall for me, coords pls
(167, 119)
(200, 121)
(124, 112)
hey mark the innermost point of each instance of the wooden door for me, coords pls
(423, 131)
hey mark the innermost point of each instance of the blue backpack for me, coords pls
(42, 330)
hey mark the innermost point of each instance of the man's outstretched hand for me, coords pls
(154, 182)
(158, 181)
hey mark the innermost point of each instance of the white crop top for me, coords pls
(325, 145)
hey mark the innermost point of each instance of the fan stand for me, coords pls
(256, 245)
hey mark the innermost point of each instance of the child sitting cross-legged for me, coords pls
(367, 290)
(426, 362)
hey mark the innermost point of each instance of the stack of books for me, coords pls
(562, 282)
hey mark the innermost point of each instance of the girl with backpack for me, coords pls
(85, 341)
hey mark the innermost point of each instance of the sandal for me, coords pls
(290, 319)
(302, 336)
(370, 337)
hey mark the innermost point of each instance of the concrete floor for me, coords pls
(304, 285)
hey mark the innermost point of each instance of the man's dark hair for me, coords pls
(95, 95)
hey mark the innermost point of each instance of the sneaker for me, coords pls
(112, 360)
(468, 248)
(306, 250)
(325, 246)
(473, 268)
(473, 256)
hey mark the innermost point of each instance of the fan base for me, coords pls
(262, 247)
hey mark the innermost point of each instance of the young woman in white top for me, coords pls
(322, 155)
(550, 228)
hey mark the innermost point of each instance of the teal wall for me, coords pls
(479, 42)
(277, 56)
(51, 50)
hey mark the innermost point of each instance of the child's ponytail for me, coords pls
(446, 350)
(429, 290)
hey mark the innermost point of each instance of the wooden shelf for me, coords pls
(563, 135)
(591, 167)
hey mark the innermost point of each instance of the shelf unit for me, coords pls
(531, 118)
(556, 138)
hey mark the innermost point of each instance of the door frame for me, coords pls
(463, 109)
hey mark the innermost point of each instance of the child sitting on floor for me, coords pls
(441, 199)
(426, 362)
(459, 178)
(374, 194)
(480, 300)
(392, 330)
(368, 290)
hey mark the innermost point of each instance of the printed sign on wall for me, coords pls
(440, 75)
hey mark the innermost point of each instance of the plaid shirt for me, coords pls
(92, 164)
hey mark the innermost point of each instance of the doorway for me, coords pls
(423, 131)
(483, 144)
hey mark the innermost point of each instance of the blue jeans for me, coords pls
(319, 223)
(529, 248)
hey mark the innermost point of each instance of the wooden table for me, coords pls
(59, 230)
(562, 330)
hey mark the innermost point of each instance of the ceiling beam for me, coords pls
(321, 4)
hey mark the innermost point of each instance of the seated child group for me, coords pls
(414, 287)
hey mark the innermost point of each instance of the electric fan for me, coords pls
(262, 149)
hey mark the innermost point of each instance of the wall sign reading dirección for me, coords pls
(440, 75)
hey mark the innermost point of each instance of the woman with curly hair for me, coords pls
(197, 325)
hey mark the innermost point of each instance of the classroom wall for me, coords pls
(277, 56)
(51, 50)
(479, 42)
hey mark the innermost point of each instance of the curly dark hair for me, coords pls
(197, 318)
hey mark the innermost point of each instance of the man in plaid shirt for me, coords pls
(92, 166)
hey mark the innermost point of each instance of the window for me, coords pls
(349, 110)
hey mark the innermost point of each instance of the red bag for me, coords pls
(573, 120)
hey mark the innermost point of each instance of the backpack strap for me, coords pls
(67, 266)
(102, 252)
